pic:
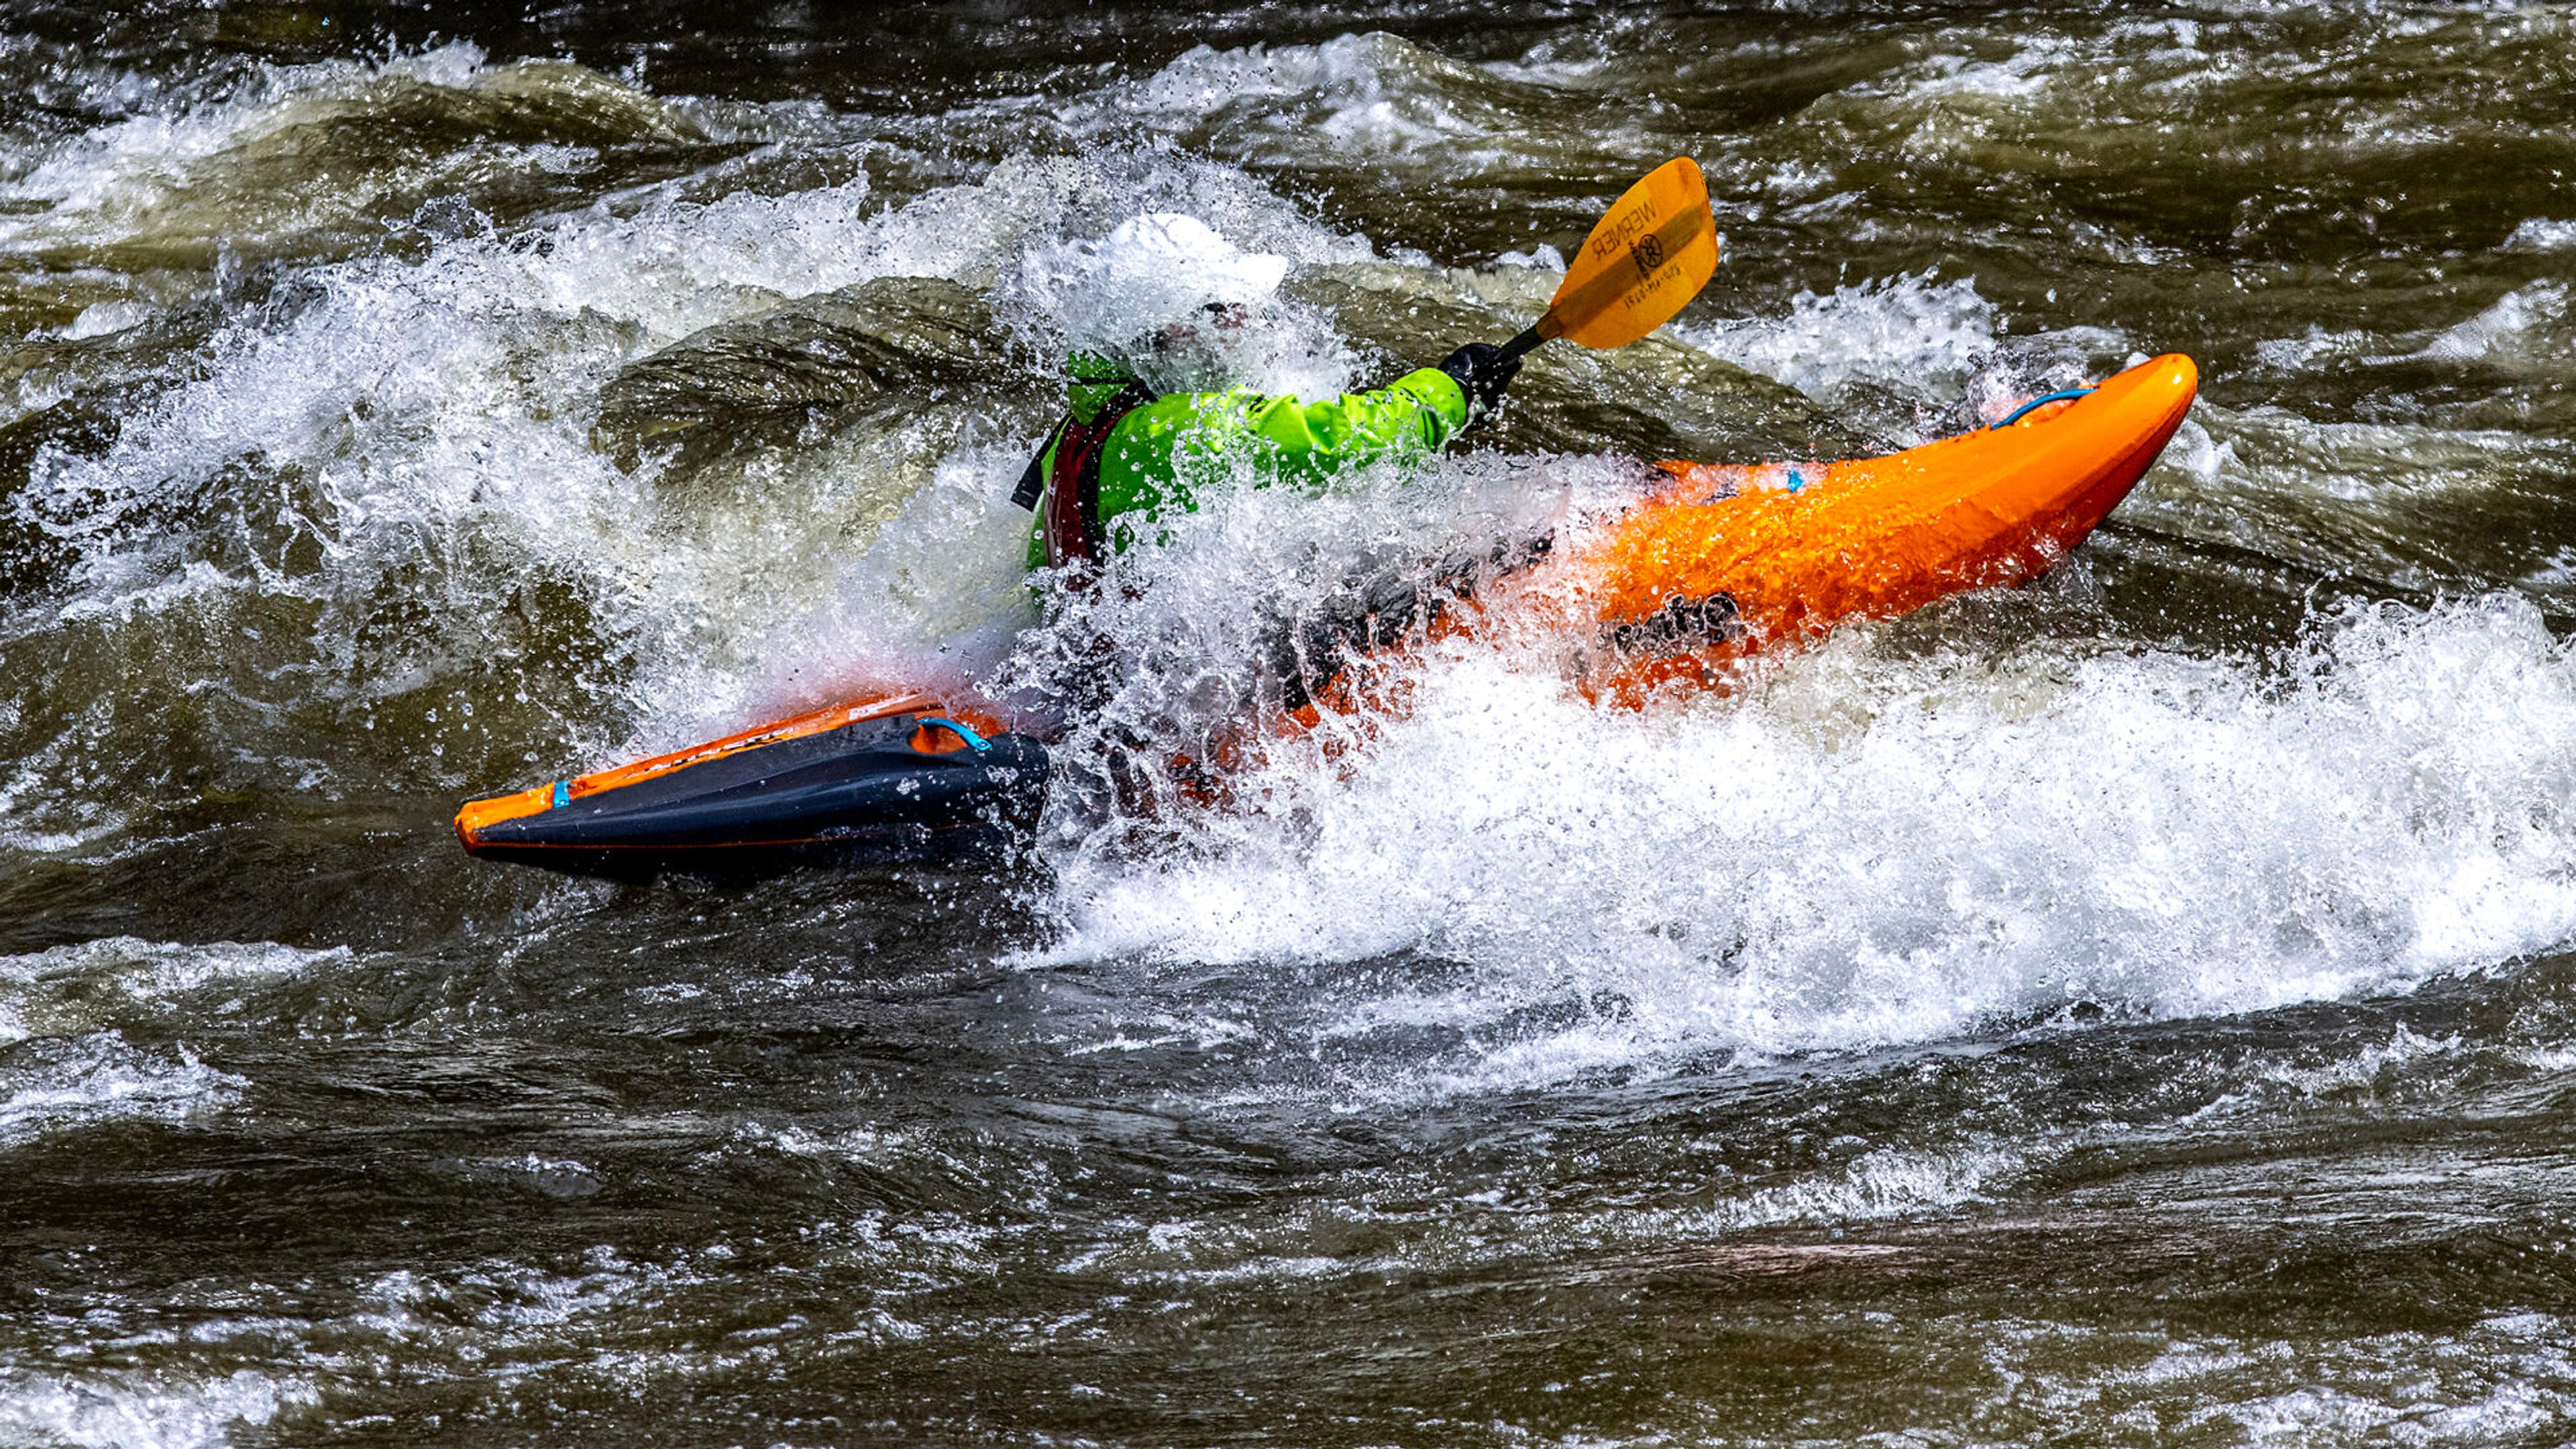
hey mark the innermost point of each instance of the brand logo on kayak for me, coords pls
(1681, 626)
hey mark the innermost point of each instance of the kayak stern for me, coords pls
(890, 777)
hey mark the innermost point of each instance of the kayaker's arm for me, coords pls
(1316, 443)
(1146, 461)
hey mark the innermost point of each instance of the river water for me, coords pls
(2137, 1009)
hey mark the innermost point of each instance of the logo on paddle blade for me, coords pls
(1648, 254)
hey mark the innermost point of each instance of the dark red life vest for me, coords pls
(1072, 526)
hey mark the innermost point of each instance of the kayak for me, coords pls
(1718, 562)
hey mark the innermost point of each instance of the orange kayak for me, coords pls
(1722, 561)
(1729, 559)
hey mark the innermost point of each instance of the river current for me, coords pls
(2137, 1009)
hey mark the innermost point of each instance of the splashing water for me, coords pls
(2129, 1008)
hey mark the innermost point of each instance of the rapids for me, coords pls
(2137, 1009)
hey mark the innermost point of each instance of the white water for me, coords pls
(1910, 331)
(1543, 962)
(1865, 850)
(140, 1411)
(119, 979)
(1864, 847)
(83, 1081)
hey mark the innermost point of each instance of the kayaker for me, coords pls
(1124, 455)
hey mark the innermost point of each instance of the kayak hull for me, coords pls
(882, 779)
(1721, 562)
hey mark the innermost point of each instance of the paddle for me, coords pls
(1651, 253)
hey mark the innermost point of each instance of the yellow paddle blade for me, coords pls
(1653, 251)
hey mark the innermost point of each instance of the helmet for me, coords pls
(1153, 273)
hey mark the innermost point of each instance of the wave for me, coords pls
(1873, 845)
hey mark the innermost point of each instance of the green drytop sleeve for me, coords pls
(1149, 459)
(1315, 443)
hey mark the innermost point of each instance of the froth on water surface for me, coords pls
(2133, 1009)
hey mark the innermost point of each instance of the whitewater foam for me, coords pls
(193, 178)
(2525, 328)
(1910, 331)
(118, 979)
(429, 415)
(52, 1084)
(1355, 94)
(143, 1410)
(1865, 848)
(2542, 233)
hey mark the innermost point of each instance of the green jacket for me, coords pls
(1150, 458)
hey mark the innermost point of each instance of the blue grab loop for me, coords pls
(974, 741)
(1795, 481)
(563, 794)
(2068, 395)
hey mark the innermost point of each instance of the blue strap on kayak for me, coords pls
(2069, 395)
(974, 741)
(563, 795)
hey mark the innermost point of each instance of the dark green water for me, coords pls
(2134, 1010)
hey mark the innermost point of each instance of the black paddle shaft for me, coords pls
(1529, 338)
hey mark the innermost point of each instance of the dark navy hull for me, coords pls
(894, 786)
